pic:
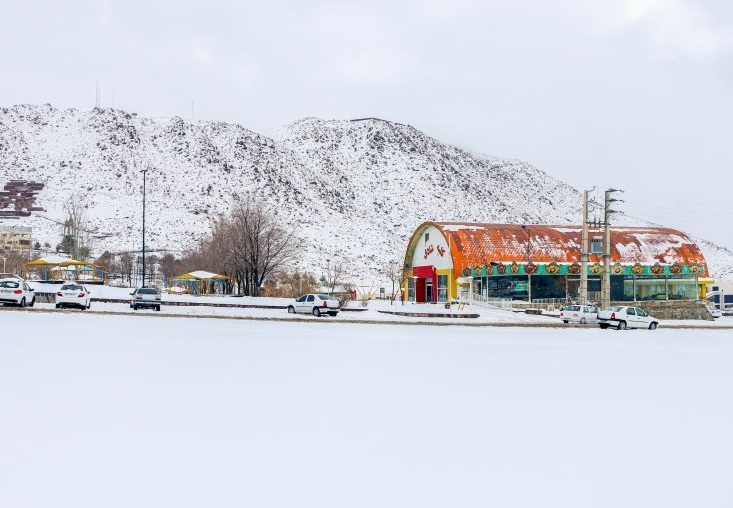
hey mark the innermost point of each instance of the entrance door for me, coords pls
(419, 290)
(429, 290)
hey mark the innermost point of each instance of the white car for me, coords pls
(714, 311)
(623, 317)
(316, 304)
(16, 292)
(73, 295)
(579, 314)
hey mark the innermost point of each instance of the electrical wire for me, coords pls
(667, 198)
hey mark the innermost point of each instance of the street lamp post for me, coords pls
(144, 172)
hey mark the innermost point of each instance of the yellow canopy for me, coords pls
(56, 265)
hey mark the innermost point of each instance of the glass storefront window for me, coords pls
(682, 289)
(659, 289)
(410, 289)
(442, 288)
(651, 289)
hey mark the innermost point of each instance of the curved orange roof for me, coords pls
(477, 244)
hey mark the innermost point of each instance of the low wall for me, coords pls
(673, 309)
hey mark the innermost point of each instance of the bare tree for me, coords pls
(151, 267)
(76, 237)
(334, 272)
(168, 266)
(13, 260)
(250, 245)
(393, 271)
(126, 266)
(285, 283)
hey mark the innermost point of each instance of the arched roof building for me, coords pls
(514, 261)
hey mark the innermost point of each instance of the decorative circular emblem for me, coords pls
(553, 268)
(530, 268)
(657, 269)
(574, 269)
(596, 268)
(675, 268)
(501, 269)
(637, 269)
(617, 269)
(514, 267)
(695, 268)
(466, 272)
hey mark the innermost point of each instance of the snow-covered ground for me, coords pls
(167, 411)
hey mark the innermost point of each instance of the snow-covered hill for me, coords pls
(349, 187)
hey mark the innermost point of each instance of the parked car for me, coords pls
(623, 317)
(714, 311)
(73, 295)
(16, 292)
(315, 304)
(579, 314)
(145, 297)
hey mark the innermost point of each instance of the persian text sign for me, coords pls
(18, 198)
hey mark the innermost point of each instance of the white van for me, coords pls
(579, 314)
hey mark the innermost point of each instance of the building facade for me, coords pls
(16, 238)
(522, 262)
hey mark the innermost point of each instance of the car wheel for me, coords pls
(89, 305)
(131, 305)
(621, 325)
(134, 307)
(316, 311)
(652, 325)
(33, 301)
(565, 321)
(583, 321)
(332, 313)
(83, 307)
(58, 305)
(291, 310)
(22, 302)
(157, 308)
(603, 325)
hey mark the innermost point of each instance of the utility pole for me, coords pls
(606, 280)
(583, 297)
(529, 276)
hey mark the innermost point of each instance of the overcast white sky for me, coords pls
(631, 94)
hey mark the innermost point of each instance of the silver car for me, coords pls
(579, 314)
(145, 297)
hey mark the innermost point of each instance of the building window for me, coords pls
(442, 288)
(596, 245)
(411, 289)
(427, 237)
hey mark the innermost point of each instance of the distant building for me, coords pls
(16, 238)
(514, 261)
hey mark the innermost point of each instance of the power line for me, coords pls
(688, 221)
(667, 198)
(677, 208)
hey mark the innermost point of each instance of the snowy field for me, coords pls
(106, 410)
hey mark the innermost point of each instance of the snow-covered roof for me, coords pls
(480, 244)
(201, 274)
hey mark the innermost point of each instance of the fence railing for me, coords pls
(493, 303)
